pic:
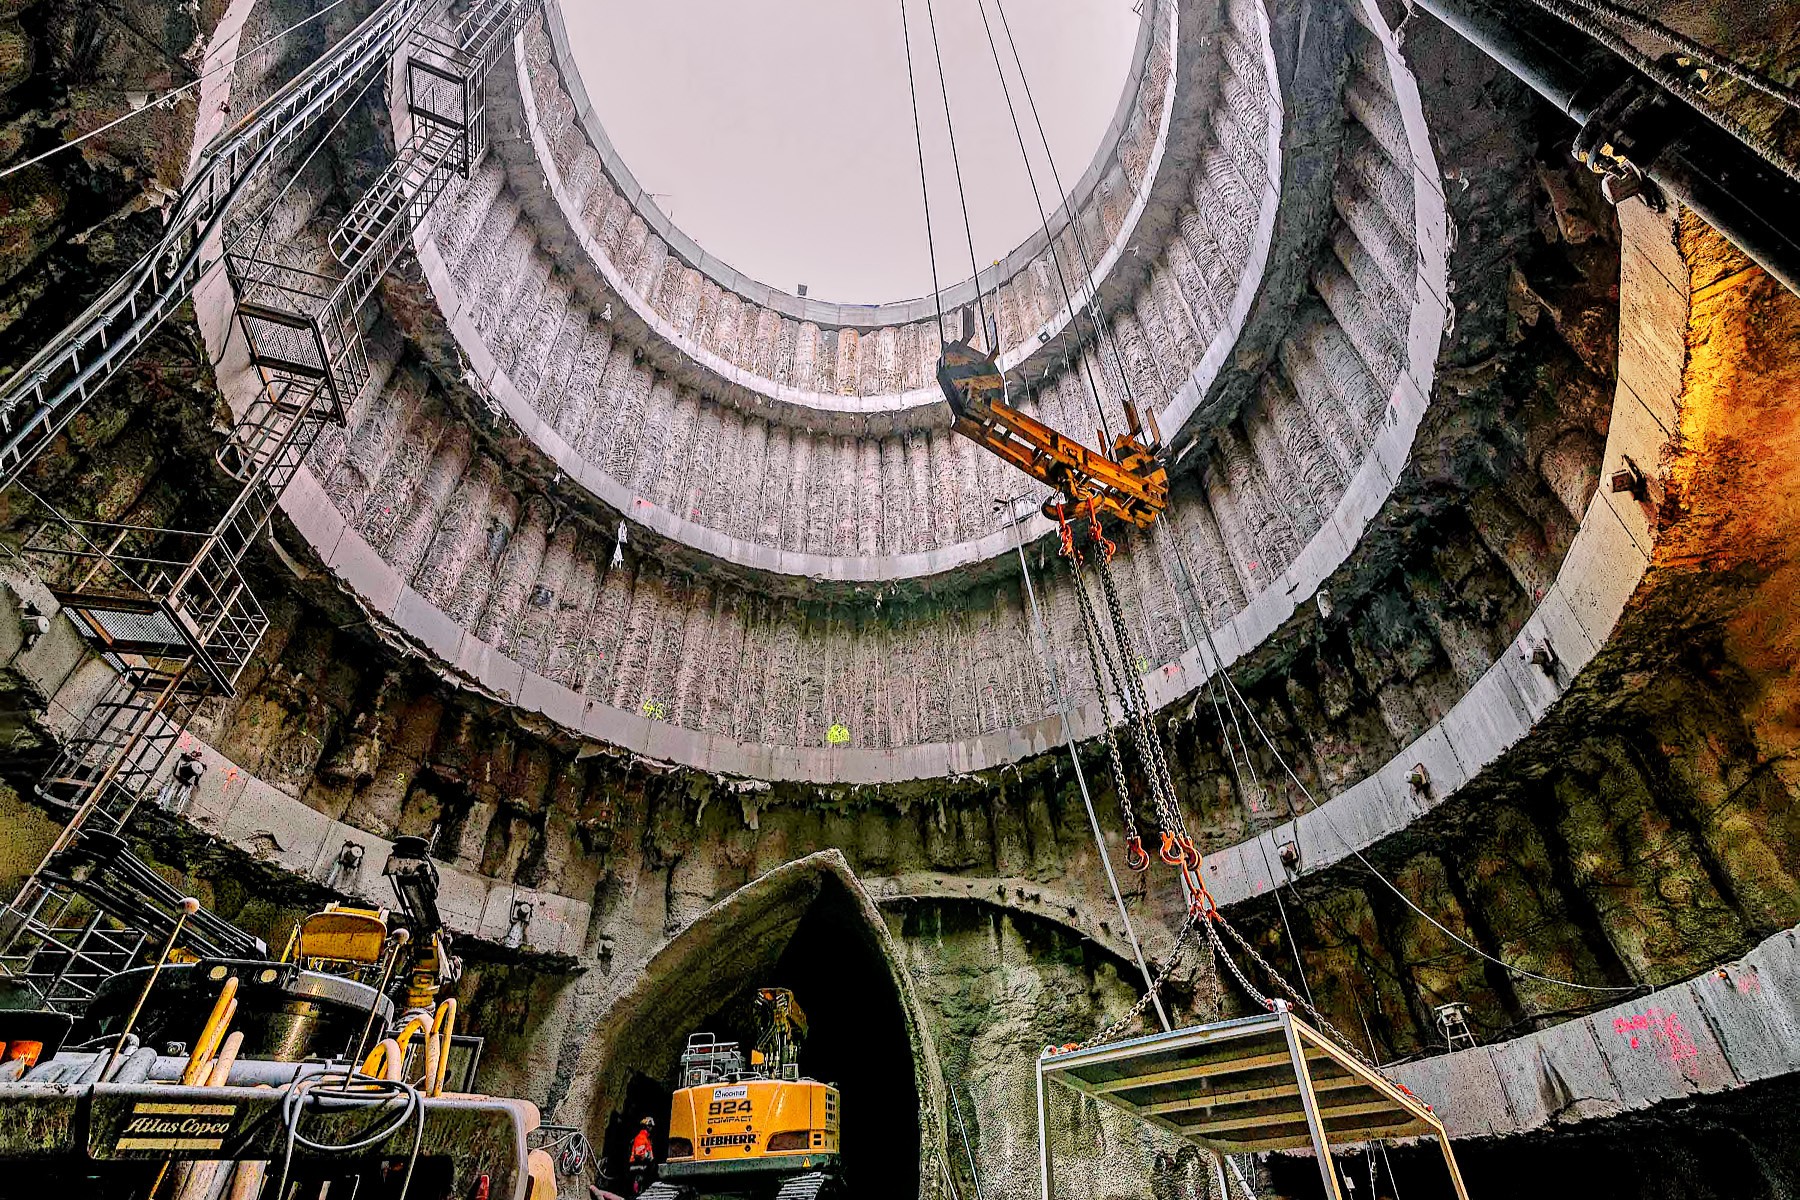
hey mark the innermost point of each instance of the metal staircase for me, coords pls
(170, 609)
(39, 399)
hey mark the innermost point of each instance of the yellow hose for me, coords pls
(392, 1057)
(374, 1064)
(211, 1034)
(443, 1024)
(439, 1026)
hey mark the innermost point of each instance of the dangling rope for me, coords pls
(1113, 664)
(1235, 703)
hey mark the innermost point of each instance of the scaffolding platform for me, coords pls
(1246, 1086)
(156, 599)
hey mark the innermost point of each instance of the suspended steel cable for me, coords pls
(937, 291)
(1225, 737)
(170, 96)
(1130, 687)
(1218, 670)
(1312, 801)
(1103, 332)
(1062, 278)
(956, 162)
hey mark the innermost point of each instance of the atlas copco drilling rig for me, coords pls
(759, 1130)
(214, 1071)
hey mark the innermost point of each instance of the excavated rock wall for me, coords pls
(510, 558)
(1640, 836)
(1645, 832)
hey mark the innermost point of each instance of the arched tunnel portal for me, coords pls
(808, 927)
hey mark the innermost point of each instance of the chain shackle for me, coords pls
(1136, 857)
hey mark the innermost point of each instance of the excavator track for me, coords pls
(815, 1185)
(666, 1191)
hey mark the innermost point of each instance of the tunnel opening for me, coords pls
(820, 944)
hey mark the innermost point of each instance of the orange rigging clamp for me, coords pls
(1130, 485)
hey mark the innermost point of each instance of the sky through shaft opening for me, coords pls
(778, 133)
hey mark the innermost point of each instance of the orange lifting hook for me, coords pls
(1136, 857)
(1202, 904)
(1180, 851)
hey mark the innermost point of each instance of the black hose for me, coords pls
(351, 1091)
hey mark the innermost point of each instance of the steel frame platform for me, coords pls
(1267, 1082)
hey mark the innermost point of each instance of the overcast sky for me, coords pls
(778, 133)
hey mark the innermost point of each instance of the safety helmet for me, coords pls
(649, 1122)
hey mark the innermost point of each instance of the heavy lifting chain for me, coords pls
(1161, 781)
(1178, 847)
(1135, 856)
(1133, 1014)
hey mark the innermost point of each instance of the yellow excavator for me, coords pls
(756, 1130)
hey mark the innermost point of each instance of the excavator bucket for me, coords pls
(971, 382)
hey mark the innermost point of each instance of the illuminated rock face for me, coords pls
(1399, 349)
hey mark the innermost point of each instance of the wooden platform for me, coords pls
(1268, 1082)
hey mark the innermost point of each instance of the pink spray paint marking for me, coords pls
(1670, 1037)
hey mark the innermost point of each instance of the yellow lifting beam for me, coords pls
(1130, 485)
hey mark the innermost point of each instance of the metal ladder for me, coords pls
(402, 195)
(170, 609)
(304, 324)
(111, 763)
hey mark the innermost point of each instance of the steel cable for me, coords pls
(1103, 332)
(937, 290)
(167, 97)
(1044, 219)
(956, 162)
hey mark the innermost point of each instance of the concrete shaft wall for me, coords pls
(459, 519)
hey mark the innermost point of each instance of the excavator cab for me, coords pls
(755, 1130)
